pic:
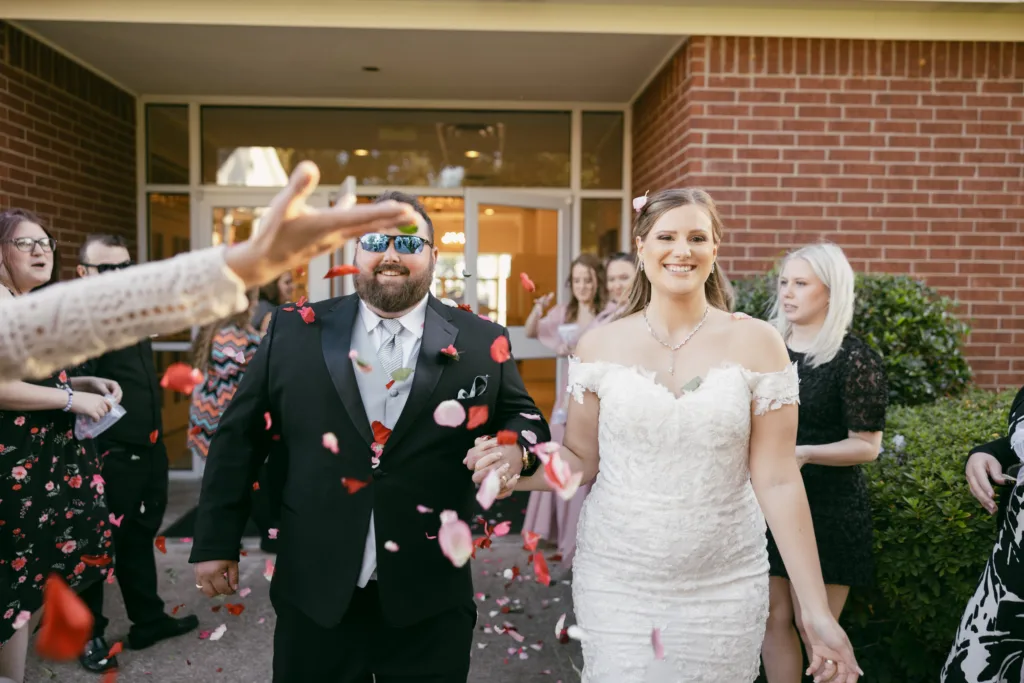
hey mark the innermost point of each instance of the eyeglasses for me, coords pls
(105, 267)
(27, 244)
(404, 244)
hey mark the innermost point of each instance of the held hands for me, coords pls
(292, 233)
(487, 455)
(217, 577)
(98, 385)
(984, 469)
(832, 658)
(91, 405)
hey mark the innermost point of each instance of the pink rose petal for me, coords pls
(330, 442)
(391, 546)
(489, 489)
(659, 649)
(449, 413)
(502, 528)
(455, 538)
(529, 436)
(272, 533)
(423, 509)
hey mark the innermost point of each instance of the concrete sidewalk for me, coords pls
(245, 651)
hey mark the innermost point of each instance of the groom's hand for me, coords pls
(487, 455)
(217, 577)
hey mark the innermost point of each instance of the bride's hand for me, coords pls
(832, 658)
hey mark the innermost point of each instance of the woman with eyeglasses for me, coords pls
(51, 492)
(68, 323)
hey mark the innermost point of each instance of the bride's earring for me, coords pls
(712, 268)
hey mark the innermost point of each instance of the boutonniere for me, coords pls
(450, 352)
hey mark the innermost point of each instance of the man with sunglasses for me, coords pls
(346, 391)
(135, 480)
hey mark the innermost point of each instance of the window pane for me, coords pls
(437, 148)
(167, 144)
(169, 234)
(600, 222)
(602, 150)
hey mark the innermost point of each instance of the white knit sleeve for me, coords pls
(70, 322)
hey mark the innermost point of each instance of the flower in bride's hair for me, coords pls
(640, 202)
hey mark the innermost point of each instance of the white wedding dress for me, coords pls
(671, 535)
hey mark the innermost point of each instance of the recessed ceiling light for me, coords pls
(488, 212)
(360, 152)
(371, 68)
(472, 154)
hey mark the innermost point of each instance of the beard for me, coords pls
(394, 297)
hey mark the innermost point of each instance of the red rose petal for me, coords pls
(67, 623)
(308, 316)
(527, 282)
(506, 437)
(181, 377)
(154, 435)
(477, 417)
(301, 302)
(339, 271)
(353, 485)
(500, 350)
(96, 560)
(540, 568)
(380, 432)
(161, 544)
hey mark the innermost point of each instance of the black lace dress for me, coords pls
(849, 393)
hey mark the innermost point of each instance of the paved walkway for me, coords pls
(244, 653)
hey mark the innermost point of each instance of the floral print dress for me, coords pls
(53, 517)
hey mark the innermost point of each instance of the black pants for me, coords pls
(133, 484)
(363, 646)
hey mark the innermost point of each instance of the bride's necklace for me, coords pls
(673, 349)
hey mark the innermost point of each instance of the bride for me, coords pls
(689, 414)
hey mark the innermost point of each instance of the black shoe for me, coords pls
(141, 637)
(95, 656)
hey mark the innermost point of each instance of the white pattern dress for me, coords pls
(671, 535)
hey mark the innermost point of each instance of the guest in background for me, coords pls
(843, 398)
(52, 511)
(548, 515)
(222, 353)
(272, 295)
(620, 269)
(989, 647)
(135, 469)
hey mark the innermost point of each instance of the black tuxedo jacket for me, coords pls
(303, 377)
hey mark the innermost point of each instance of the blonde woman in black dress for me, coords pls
(843, 398)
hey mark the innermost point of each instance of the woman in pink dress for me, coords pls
(547, 515)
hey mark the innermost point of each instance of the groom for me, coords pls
(361, 471)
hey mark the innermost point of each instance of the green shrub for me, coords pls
(906, 321)
(932, 538)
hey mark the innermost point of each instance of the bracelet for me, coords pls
(71, 396)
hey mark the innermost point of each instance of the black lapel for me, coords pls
(438, 333)
(336, 341)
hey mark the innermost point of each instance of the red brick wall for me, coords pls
(910, 155)
(68, 141)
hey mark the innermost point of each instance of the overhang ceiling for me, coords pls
(282, 62)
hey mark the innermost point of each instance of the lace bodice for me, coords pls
(671, 534)
(69, 322)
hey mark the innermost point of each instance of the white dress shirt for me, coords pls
(410, 337)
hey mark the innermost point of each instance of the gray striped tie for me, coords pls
(390, 352)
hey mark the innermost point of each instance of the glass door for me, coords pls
(508, 235)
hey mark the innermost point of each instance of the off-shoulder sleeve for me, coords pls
(69, 322)
(865, 390)
(583, 377)
(772, 390)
